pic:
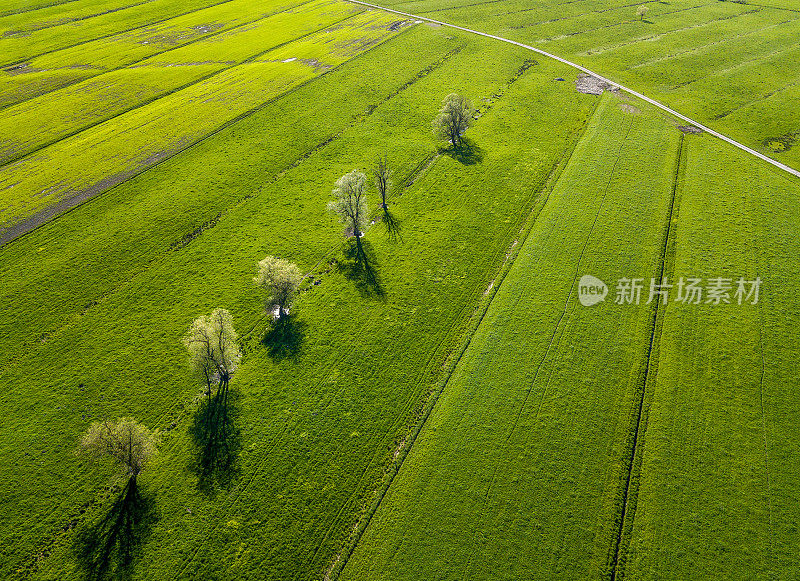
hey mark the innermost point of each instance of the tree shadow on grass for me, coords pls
(108, 548)
(360, 266)
(392, 225)
(217, 441)
(467, 152)
(285, 337)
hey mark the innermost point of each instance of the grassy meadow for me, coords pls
(318, 415)
(444, 408)
(729, 65)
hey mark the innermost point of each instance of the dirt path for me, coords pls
(692, 122)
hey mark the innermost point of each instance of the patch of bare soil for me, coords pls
(690, 129)
(592, 85)
(629, 108)
(21, 68)
(76, 198)
(206, 28)
(316, 64)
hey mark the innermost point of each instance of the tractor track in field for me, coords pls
(633, 460)
(613, 84)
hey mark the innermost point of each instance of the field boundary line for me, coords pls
(647, 376)
(613, 84)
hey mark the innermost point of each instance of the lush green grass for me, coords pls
(318, 426)
(729, 65)
(48, 118)
(62, 67)
(112, 150)
(557, 421)
(16, 48)
(718, 494)
(519, 472)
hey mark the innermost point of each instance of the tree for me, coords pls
(382, 175)
(212, 344)
(127, 442)
(350, 203)
(454, 118)
(641, 11)
(280, 278)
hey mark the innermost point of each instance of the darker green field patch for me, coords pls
(780, 144)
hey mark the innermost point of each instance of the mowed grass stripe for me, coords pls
(519, 471)
(45, 120)
(718, 487)
(94, 160)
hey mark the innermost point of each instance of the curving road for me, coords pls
(733, 142)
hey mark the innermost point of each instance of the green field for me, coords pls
(729, 65)
(447, 409)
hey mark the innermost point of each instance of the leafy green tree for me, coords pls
(454, 118)
(641, 12)
(350, 203)
(127, 442)
(382, 175)
(213, 348)
(280, 279)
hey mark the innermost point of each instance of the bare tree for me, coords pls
(641, 12)
(350, 203)
(454, 118)
(382, 175)
(127, 442)
(280, 279)
(212, 344)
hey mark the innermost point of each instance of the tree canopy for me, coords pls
(280, 279)
(350, 202)
(212, 345)
(129, 443)
(454, 118)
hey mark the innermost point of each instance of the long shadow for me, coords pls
(217, 439)
(467, 152)
(108, 548)
(392, 225)
(285, 337)
(360, 266)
